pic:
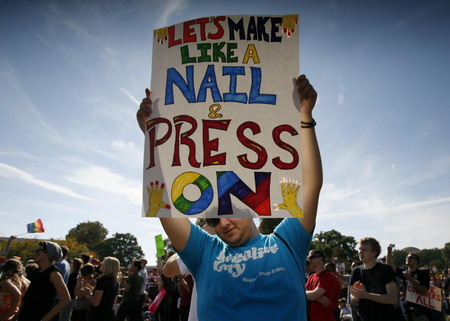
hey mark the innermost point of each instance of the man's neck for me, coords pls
(319, 269)
(412, 268)
(370, 264)
(44, 265)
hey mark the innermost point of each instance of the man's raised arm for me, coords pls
(311, 163)
(178, 229)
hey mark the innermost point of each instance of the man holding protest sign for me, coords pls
(416, 285)
(242, 274)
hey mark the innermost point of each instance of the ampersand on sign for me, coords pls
(213, 111)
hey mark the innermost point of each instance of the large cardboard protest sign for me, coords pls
(225, 124)
(432, 299)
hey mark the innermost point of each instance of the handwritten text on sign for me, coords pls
(225, 121)
(432, 299)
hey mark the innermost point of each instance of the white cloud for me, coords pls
(173, 6)
(14, 173)
(132, 98)
(104, 179)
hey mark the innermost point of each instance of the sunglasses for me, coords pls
(213, 222)
(40, 250)
(411, 257)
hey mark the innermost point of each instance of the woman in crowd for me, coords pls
(85, 282)
(12, 289)
(38, 302)
(105, 291)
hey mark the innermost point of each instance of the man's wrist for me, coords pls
(306, 117)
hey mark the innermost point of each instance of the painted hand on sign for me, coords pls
(155, 194)
(289, 190)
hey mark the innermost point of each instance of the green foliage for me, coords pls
(23, 248)
(75, 248)
(267, 225)
(430, 257)
(200, 222)
(399, 258)
(336, 247)
(446, 254)
(89, 233)
(124, 247)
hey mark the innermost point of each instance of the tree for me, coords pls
(267, 225)
(23, 248)
(89, 233)
(124, 247)
(446, 254)
(335, 245)
(75, 248)
(399, 258)
(430, 257)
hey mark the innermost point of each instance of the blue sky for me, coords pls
(72, 74)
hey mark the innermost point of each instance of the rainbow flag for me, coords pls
(36, 227)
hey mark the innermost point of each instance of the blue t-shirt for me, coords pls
(259, 280)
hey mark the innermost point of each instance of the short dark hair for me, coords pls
(137, 264)
(77, 263)
(87, 269)
(373, 243)
(65, 251)
(85, 258)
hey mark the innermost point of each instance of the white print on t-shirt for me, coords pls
(235, 265)
(268, 273)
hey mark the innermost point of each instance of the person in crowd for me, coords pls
(85, 282)
(418, 279)
(105, 291)
(38, 302)
(208, 257)
(64, 268)
(131, 305)
(185, 284)
(31, 268)
(153, 284)
(353, 305)
(321, 283)
(143, 274)
(12, 289)
(164, 311)
(436, 281)
(85, 258)
(330, 266)
(175, 266)
(5, 252)
(446, 288)
(373, 284)
(345, 314)
(71, 284)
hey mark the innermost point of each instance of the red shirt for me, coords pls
(327, 281)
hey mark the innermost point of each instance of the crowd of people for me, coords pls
(49, 288)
